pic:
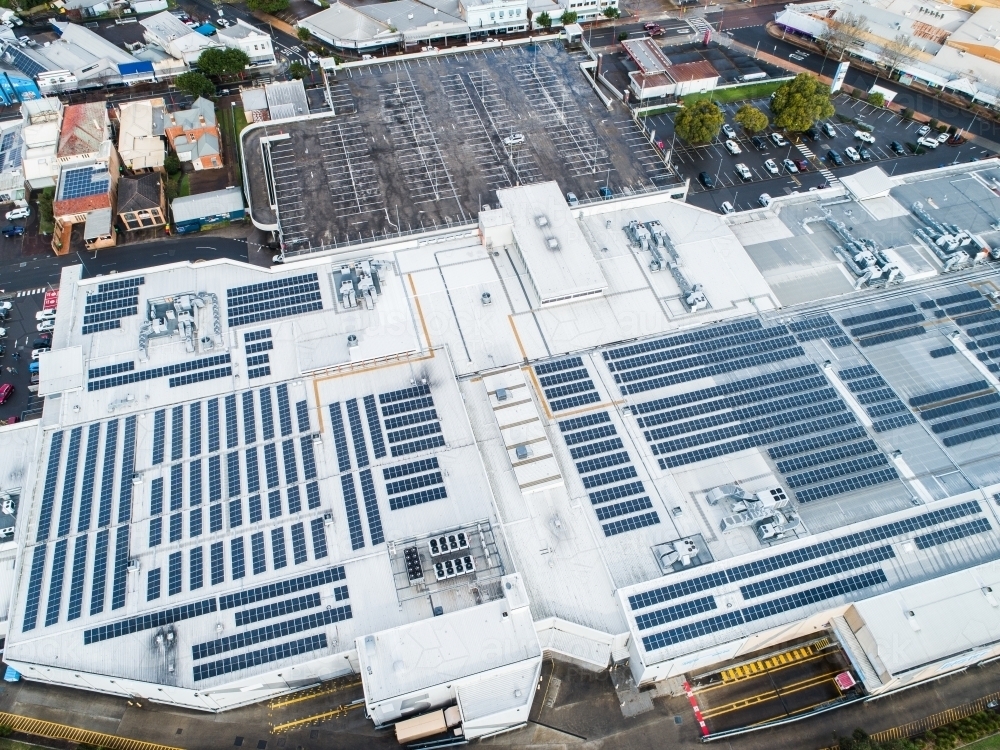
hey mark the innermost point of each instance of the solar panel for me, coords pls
(353, 515)
(889, 407)
(563, 377)
(723, 355)
(277, 609)
(846, 485)
(634, 505)
(194, 522)
(215, 478)
(120, 574)
(574, 401)
(588, 420)
(873, 397)
(176, 486)
(271, 465)
(69, 481)
(807, 324)
(952, 533)
(288, 454)
(416, 446)
(675, 612)
(215, 518)
(253, 470)
(77, 577)
(894, 312)
(175, 527)
(966, 420)
(944, 351)
(312, 495)
(616, 493)
(417, 417)
(263, 656)
(609, 477)
(152, 584)
(867, 384)
(49, 490)
(236, 558)
(955, 298)
(299, 554)
(823, 457)
(194, 420)
(294, 500)
(594, 449)
(981, 304)
(630, 524)
(410, 433)
(258, 372)
(887, 325)
(563, 364)
(357, 433)
(266, 414)
(256, 511)
(812, 443)
(174, 574)
(701, 348)
(374, 427)
(284, 410)
(602, 462)
(264, 333)
(405, 394)
(194, 483)
(258, 559)
(404, 406)
(278, 547)
(852, 373)
(58, 570)
(892, 423)
(967, 437)
(232, 431)
(702, 334)
(982, 317)
(97, 585)
(213, 425)
(417, 498)
(260, 346)
(84, 182)
(371, 507)
(885, 338)
(713, 370)
(217, 564)
(196, 569)
(318, 538)
(949, 393)
(235, 514)
(249, 422)
(569, 389)
(339, 437)
(155, 531)
(149, 621)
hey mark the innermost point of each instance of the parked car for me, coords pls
(605, 192)
(6, 390)
(923, 131)
(46, 325)
(897, 147)
(18, 213)
(864, 137)
(759, 143)
(852, 154)
(6, 305)
(45, 315)
(33, 367)
(728, 130)
(942, 137)
(727, 208)
(3, 333)
(790, 166)
(836, 158)
(764, 200)
(771, 166)
(930, 143)
(866, 155)
(802, 164)
(572, 200)
(813, 133)
(650, 25)
(12, 231)
(41, 343)
(707, 180)
(656, 32)
(831, 132)
(733, 147)
(778, 139)
(744, 171)
(514, 139)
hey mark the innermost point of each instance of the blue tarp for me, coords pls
(129, 69)
(11, 675)
(207, 29)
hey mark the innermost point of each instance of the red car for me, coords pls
(5, 392)
(802, 164)
(651, 25)
(657, 32)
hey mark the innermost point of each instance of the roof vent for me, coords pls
(521, 452)
(911, 618)
(542, 220)
(502, 394)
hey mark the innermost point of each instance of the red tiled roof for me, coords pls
(82, 129)
(81, 205)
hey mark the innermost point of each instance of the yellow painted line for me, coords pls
(770, 695)
(778, 669)
(311, 693)
(55, 731)
(315, 719)
(517, 337)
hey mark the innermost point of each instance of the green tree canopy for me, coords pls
(544, 20)
(304, 34)
(612, 13)
(298, 70)
(700, 122)
(268, 6)
(568, 17)
(751, 119)
(171, 163)
(220, 62)
(195, 84)
(800, 103)
(877, 99)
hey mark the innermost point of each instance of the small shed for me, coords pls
(197, 213)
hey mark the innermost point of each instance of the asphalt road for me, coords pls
(756, 36)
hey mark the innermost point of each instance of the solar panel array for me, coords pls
(270, 300)
(83, 182)
(113, 301)
(980, 321)
(962, 413)
(566, 384)
(606, 468)
(795, 569)
(258, 343)
(821, 326)
(205, 368)
(886, 326)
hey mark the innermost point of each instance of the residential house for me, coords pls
(88, 177)
(254, 43)
(255, 105)
(142, 202)
(179, 41)
(194, 135)
(41, 119)
(140, 134)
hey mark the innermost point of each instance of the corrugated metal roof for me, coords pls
(190, 207)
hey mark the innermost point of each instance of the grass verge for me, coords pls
(736, 94)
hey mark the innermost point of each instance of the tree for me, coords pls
(298, 70)
(46, 219)
(568, 17)
(859, 740)
(622, 36)
(876, 99)
(895, 52)
(221, 62)
(303, 34)
(700, 122)
(268, 6)
(195, 84)
(172, 164)
(544, 20)
(843, 31)
(751, 118)
(801, 102)
(612, 13)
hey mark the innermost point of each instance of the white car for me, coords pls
(764, 200)
(572, 200)
(852, 153)
(924, 131)
(727, 208)
(45, 325)
(771, 167)
(312, 57)
(733, 147)
(18, 213)
(728, 130)
(928, 142)
(778, 139)
(514, 139)
(45, 315)
(942, 137)
(3, 333)
(6, 305)
(864, 137)
(790, 166)
(744, 171)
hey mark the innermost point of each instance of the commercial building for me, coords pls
(249, 40)
(632, 431)
(179, 41)
(194, 213)
(42, 119)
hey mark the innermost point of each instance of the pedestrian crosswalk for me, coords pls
(29, 292)
(808, 153)
(699, 24)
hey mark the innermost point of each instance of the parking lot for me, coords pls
(744, 194)
(425, 143)
(16, 359)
